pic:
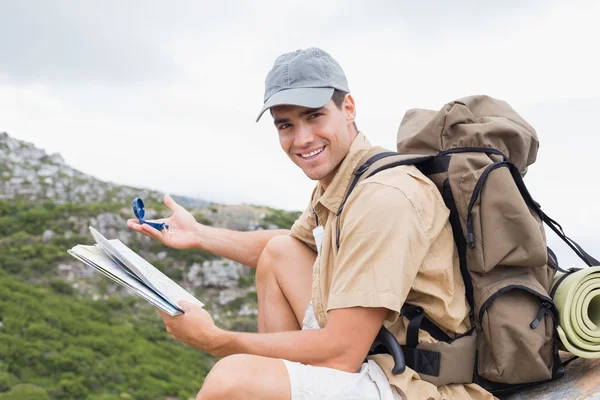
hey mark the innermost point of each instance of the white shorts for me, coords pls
(320, 383)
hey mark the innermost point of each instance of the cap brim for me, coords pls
(304, 97)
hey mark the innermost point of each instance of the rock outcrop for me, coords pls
(29, 173)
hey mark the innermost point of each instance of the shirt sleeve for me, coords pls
(383, 241)
(303, 228)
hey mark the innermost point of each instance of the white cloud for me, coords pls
(165, 96)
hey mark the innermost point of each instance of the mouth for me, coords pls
(310, 155)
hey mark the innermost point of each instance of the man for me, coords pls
(321, 306)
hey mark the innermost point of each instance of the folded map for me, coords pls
(127, 268)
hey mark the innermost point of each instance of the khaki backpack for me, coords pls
(476, 150)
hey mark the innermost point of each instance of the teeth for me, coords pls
(312, 153)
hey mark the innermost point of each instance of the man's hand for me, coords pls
(182, 227)
(195, 328)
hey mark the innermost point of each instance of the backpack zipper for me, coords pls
(476, 192)
(544, 309)
(543, 300)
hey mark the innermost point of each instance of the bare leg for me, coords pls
(283, 284)
(244, 376)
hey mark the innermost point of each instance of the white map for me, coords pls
(124, 266)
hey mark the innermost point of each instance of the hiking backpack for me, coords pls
(476, 150)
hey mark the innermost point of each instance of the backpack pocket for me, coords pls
(501, 228)
(516, 327)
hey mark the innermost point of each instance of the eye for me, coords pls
(284, 126)
(314, 115)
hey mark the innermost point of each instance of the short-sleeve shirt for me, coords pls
(396, 246)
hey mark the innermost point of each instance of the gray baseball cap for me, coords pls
(304, 78)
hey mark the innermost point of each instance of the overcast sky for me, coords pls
(165, 94)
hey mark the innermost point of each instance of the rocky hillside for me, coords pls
(68, 332)
(47, 206)
(27, 172)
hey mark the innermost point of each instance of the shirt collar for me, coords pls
(333, 196)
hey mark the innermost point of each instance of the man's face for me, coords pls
(316, 140)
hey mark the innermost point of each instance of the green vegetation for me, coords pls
(25, 392)
(22, 250)
(34, 219)
(54, 345)
(247, 280)
(202, 219)
(281, 218)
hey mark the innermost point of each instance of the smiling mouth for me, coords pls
(311, 154)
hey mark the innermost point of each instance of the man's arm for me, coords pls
(242, 247)
(343, 344)
(185, 233)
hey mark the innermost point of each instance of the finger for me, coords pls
(133, 223)
(150, 231)
(184, 305)
(164, 316)
(137, 227)
(171, 204)
(167, 319)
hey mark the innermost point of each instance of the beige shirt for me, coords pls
(396, 246)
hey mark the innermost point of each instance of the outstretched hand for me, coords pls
(182, 232)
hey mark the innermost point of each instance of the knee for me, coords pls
(281, 246)
(225, 380)
(274, 252)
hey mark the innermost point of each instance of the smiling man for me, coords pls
(321, 305)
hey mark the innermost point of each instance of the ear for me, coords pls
(349, 109)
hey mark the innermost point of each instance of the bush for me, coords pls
(25, 392)
(60, 286)
(247, 280)
(75, 348)
(282, 219)
(7, 380)
(71, 387)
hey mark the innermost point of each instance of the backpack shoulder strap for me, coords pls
(376, 160)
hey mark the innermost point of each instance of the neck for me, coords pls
(325, 182)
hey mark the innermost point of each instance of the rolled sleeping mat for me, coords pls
(577, 299)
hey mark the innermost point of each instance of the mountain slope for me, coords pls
(71, 332)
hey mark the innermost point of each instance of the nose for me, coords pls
(303, 135)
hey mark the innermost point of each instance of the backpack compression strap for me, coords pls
(552, 224)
